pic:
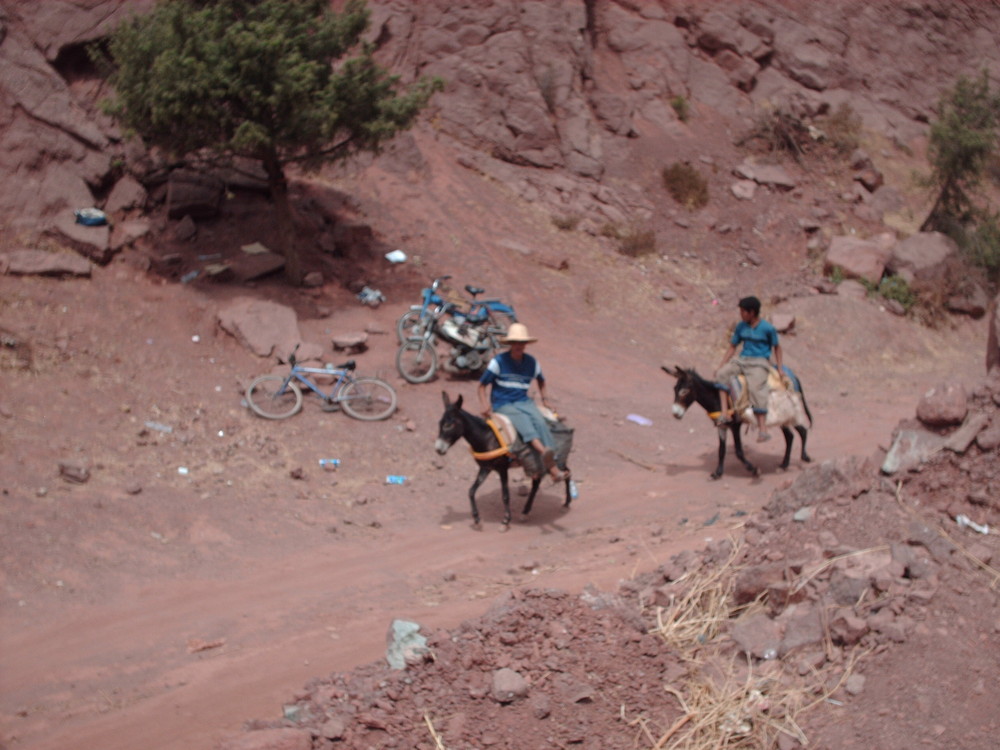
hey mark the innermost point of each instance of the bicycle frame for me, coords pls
(299, 373)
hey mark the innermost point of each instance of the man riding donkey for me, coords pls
(508, 377)
(759, 340)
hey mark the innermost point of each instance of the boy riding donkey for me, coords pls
(510, 374)
(759, 339)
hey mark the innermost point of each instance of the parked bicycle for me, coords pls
(492, 312)
(280, 396)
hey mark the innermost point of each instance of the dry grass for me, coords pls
(734, 706)
(686, 185)
(700, 613)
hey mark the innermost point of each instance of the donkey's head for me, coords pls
(450, 427)
(685, 389)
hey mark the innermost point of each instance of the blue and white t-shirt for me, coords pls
(758, 341)
(510, 379)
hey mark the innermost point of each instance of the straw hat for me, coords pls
(517, 334)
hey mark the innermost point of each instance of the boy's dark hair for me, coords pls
(750, 304)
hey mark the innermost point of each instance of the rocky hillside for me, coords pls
(569, 111)
(538, 173)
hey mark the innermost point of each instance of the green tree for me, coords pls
(962, 141)
(264, 79)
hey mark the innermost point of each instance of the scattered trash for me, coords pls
(574, 493)
(190, 276)
(91, 217)
(196, 338)
(395, 479)
(371, 297)
(210, 256)
(396, 256)
(182, 470)
(329, 463)
(963, 520)
(639, 420)
(254, 248)
(159, 427)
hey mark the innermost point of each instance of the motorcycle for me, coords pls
(490, 312)
(471, 345)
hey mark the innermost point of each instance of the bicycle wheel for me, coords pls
(270, 397)
(417, 361)
(368, 399)
(409, 326)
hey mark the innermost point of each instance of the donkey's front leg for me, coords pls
(484, 472)
(738, 448)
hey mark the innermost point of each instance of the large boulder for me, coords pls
(944, 405)
(263, 327)
(858, 258)
(922, 257)
(194, 194)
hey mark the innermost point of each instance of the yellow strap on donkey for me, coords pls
(496, 452)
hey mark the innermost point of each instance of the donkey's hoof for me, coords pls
(806, 458)
(505, 527)
(477, 526)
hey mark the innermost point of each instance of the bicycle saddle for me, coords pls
(348, 365)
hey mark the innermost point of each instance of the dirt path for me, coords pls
(174, 613)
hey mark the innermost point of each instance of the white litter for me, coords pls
(963, 520)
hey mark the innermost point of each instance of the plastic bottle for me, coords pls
(395, 479)
(574, 493)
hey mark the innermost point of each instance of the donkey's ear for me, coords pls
(458, 401)
(670, 372)
(444, 396)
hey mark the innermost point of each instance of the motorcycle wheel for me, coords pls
(409, 326)
(417, 361)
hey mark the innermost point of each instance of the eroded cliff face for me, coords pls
(555, 100)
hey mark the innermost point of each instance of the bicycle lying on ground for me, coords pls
(280, 396)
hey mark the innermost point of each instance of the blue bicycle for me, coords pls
(493, 313)
(280, 396)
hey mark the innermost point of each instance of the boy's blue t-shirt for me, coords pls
(758, 341)
(510, 379)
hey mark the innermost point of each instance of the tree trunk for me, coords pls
(287, 247)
